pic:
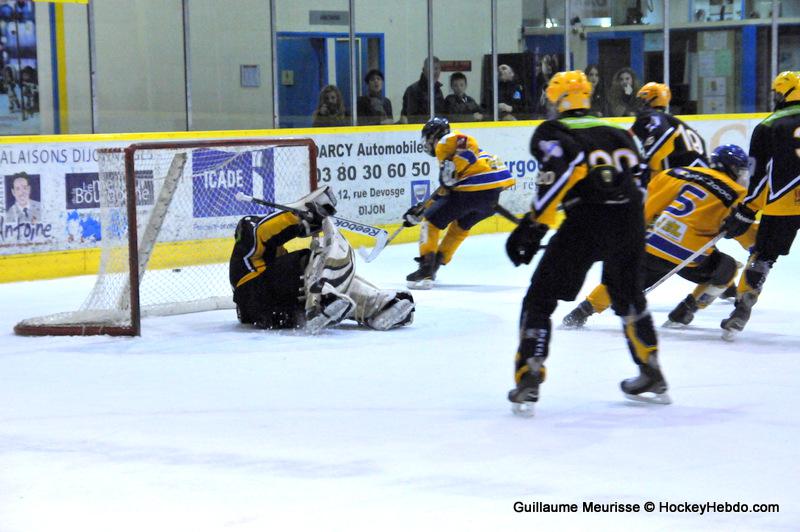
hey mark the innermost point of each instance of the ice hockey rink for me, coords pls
(203, 425)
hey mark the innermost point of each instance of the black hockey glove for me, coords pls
(738, 221)
(413, 216)
(523, 242)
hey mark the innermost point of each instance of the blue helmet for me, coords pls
(436, 128)
(732, 160)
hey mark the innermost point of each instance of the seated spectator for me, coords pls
(599, 102)
(622, 99)
(330, 109)
(512, 102)
(416, 99)
(459, 106)
(374, 108)
(546, 68)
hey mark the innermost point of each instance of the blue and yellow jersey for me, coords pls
(258, 241)
(475, 168)
(686, 207)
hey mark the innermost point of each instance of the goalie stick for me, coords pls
(380, 235)
(686, 262)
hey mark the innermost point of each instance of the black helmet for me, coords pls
(436, 128)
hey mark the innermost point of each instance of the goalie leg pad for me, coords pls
(331, 260)
(380, 309)
(329, 308)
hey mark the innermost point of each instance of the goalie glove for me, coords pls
(447, 174)
(316, 206)
(738, 221)
(413, 216)
(524, 240)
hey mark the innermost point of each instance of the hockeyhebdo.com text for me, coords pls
(661, 507)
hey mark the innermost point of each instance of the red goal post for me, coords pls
(168, 213)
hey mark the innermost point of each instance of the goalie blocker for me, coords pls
(311, 288)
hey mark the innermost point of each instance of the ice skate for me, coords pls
(683, 314)
(577, 318)
(526, 394)
(649, 386)
(730, 293)
(734, 324)
(423, 278)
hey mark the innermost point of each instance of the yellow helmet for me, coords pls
(569, 91)
(655, 94)
(787, 86)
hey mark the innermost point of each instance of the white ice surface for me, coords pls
(203, 425)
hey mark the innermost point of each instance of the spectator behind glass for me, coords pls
(598, 102)
(416, 100)
(545, 70)
(622, 99)
(512, 101)
(374, 109)
(460, 107)
(330, 109)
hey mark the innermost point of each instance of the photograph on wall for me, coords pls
(23, 199)
(19, 77)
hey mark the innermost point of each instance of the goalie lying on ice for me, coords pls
(310, 288)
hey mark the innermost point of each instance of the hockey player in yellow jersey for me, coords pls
(686, 207)
(470, 184)
(774, 191)
(667, 141)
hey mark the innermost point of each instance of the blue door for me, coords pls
(302, 72)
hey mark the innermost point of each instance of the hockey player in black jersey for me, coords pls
(667, 141)
(775, 191)
(586, 166)
(309, 288)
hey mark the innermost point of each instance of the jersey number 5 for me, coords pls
(684, 199)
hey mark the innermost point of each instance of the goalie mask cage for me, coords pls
(168, 213)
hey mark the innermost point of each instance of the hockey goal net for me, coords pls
(168, 213)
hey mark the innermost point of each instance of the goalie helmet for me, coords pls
(732, 160)
(655, 94)
(786, 86)
(436, 128)
(569, 91)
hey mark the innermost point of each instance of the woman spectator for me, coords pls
(330, 109)
(622, 100)
(547, 67)
(599, 102)
(374, 108)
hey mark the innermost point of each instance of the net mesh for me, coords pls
(186, 214)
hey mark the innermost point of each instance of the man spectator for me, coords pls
(24, 209)
(461, 107)
(374, 108)
(416, 99)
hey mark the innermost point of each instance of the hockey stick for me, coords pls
(505, 213)
(686, 262)
(381, 243)
(342, 223)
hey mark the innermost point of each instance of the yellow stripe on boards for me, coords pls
(61, 57)
(266, 133)
(62, 1)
